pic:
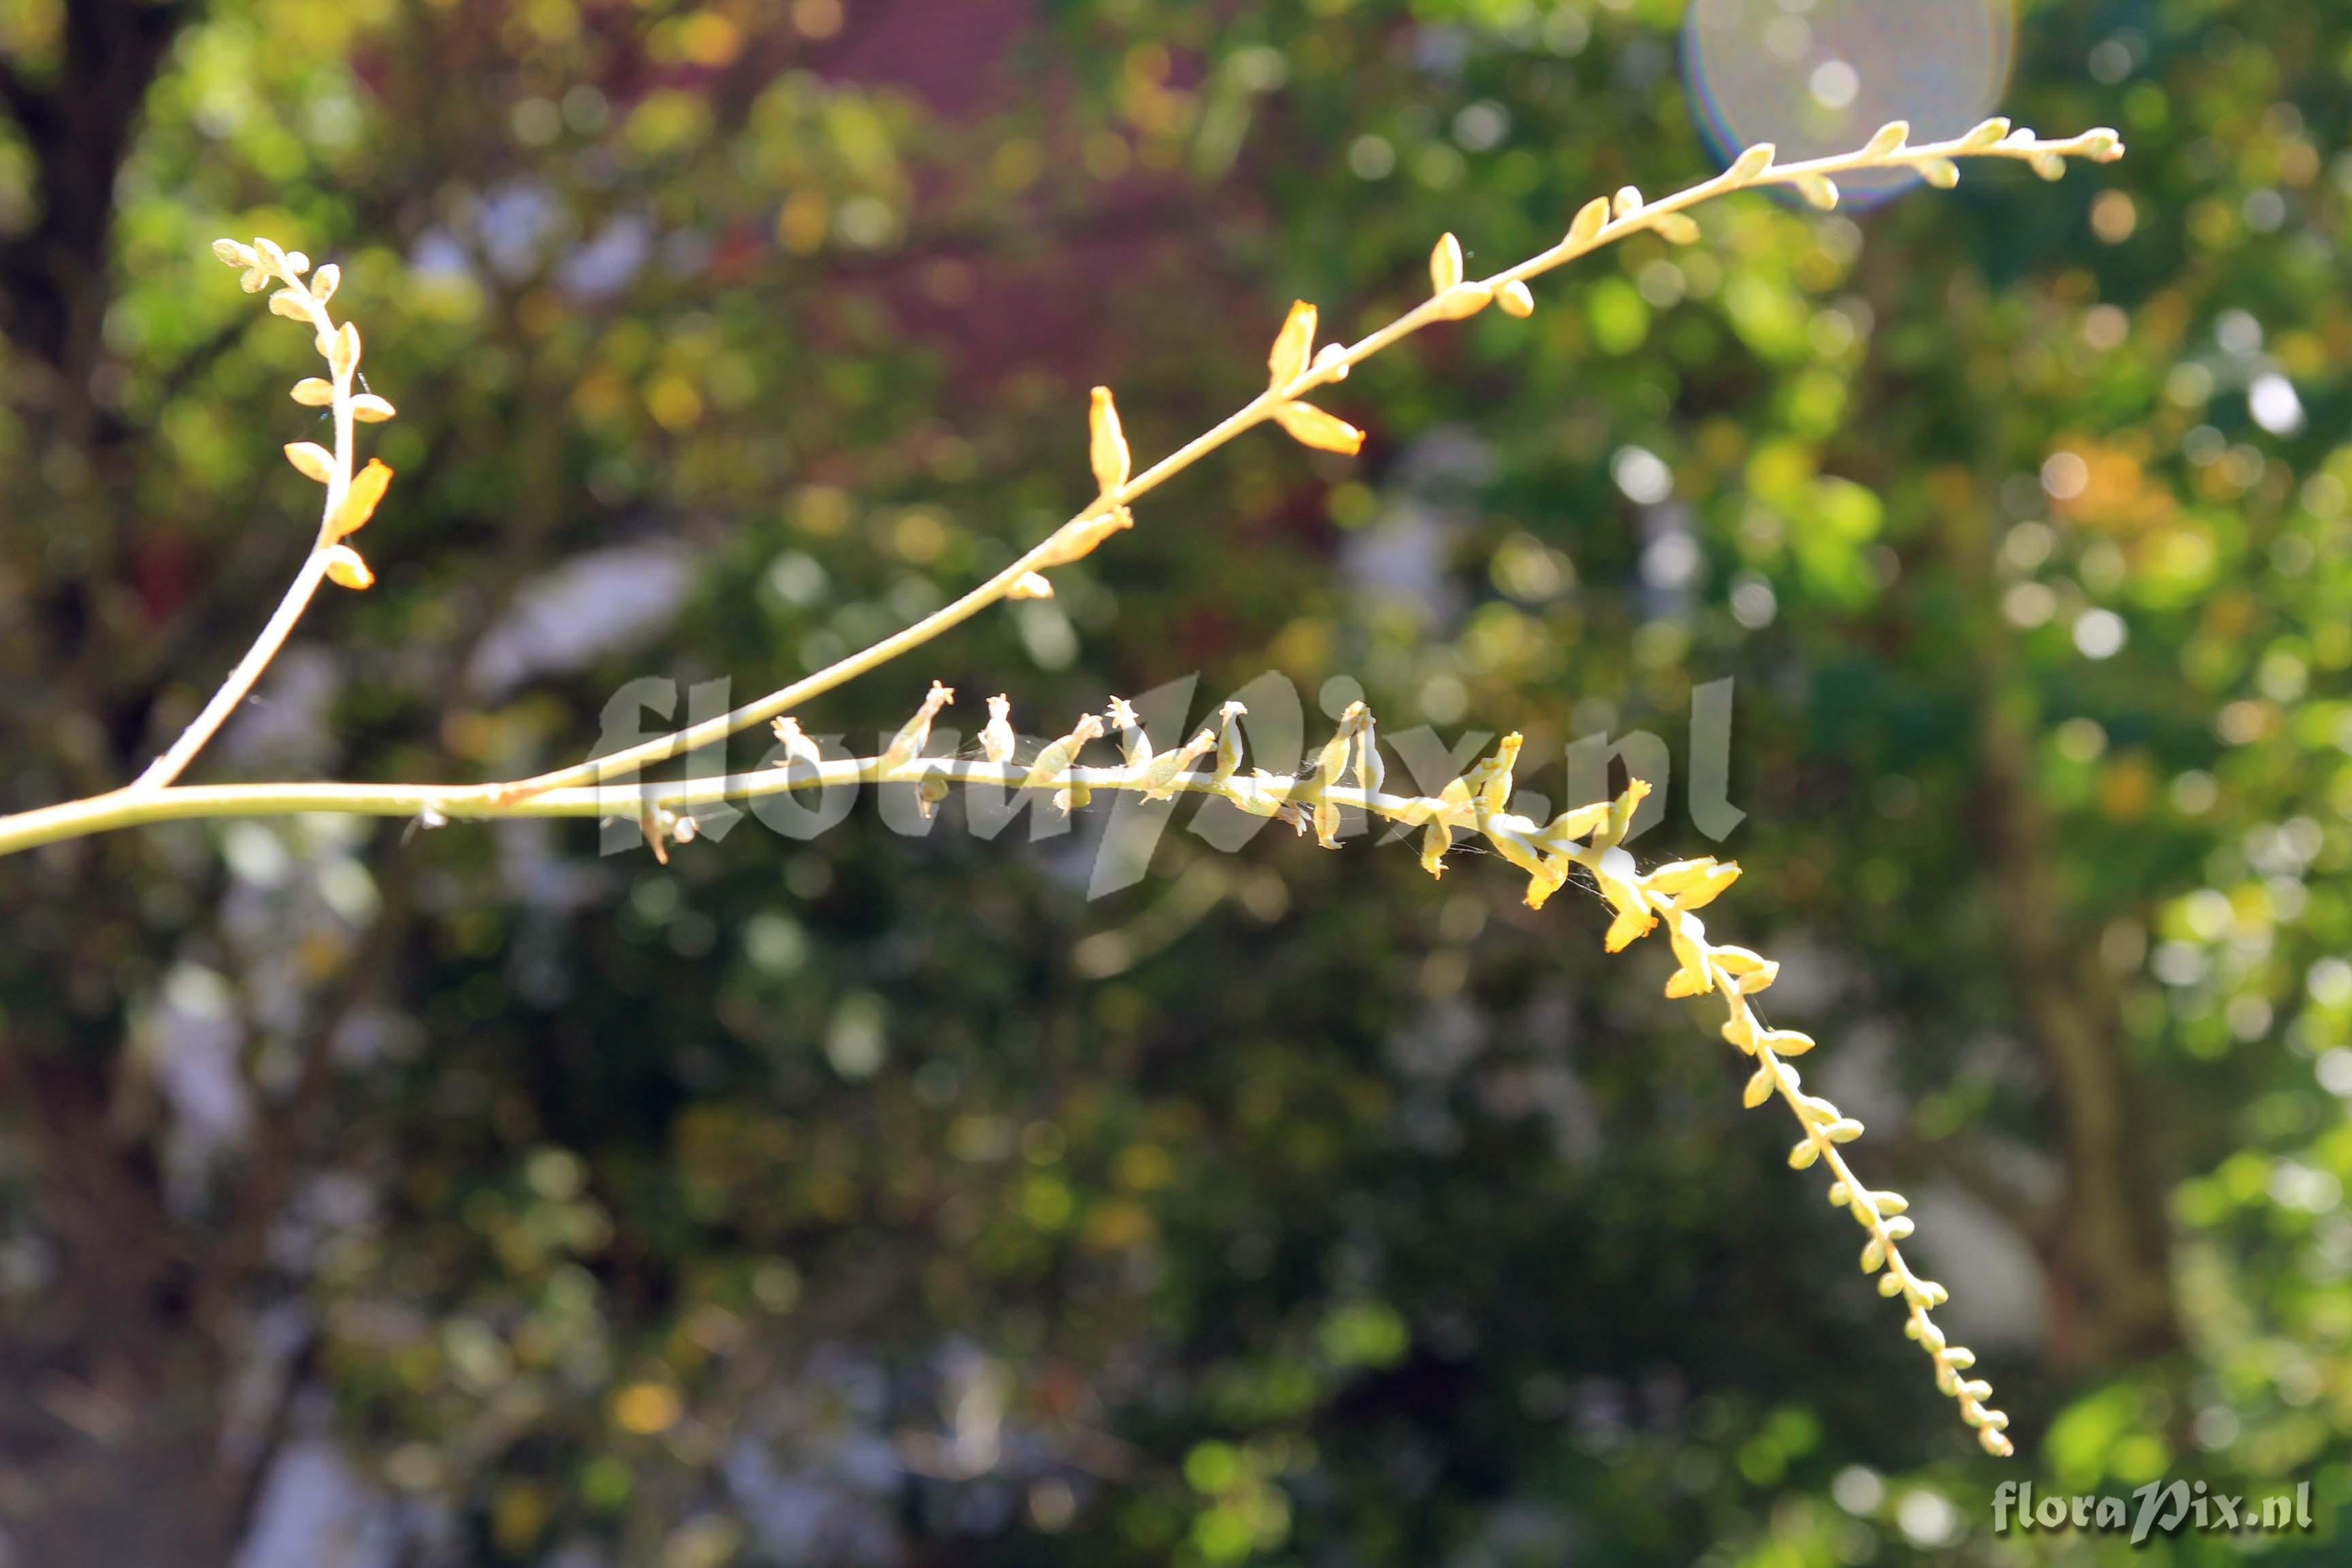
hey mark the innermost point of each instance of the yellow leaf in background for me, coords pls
(360, 501)
(1310, 425)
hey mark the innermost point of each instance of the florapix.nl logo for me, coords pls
(2160, 1508)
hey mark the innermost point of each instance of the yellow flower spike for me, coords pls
(1311, 426)
(360, 501)
(1107, 444)
(344, 566)
(1292, 346)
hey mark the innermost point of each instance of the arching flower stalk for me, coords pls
(349, 499)
(1315, 798)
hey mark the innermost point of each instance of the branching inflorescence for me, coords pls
(1346, 773)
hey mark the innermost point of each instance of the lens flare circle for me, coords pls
(1815, 77)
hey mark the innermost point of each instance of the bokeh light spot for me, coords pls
(1818, 77)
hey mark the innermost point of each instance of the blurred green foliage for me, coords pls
(812, 1201)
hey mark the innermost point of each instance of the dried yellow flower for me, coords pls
(360, 501)
(344, 566)
(1311, 426)
(1292, 346)
(1108, 444)
(1444, 264)
(312, 461)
